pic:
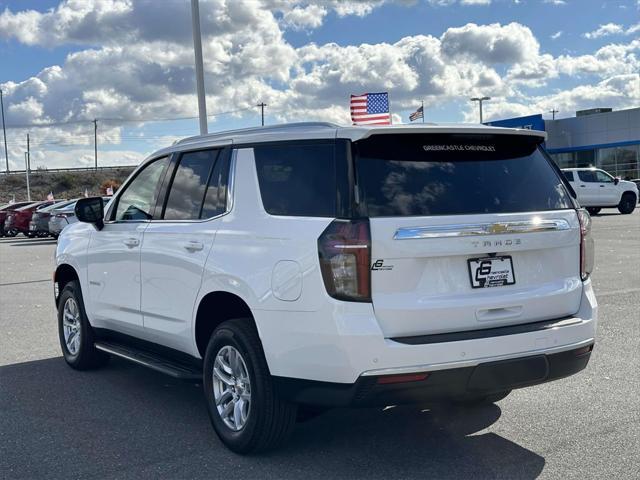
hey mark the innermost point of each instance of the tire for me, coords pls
(264, 421)
(75, 334)
(482, 399)
(593, 210)
(627, 203)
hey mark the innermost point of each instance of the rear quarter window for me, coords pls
(297, 179)
(420, 175)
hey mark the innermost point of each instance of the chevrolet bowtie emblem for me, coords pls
(497, 228)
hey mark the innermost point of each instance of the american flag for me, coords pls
(419, 113)
(370, 109)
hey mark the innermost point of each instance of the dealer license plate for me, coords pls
(491, 272)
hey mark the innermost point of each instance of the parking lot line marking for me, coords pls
(22, 283)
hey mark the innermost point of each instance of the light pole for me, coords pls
(197, 47)
(26, 169)
(4, 131)
(480, 100)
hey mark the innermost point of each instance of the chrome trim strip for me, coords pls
(472, 363)
(477, 229)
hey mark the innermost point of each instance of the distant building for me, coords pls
(596, 137)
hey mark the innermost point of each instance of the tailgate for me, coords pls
(426, 284)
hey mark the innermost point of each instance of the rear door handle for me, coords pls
(582, 186)
(193, 246)
(131, 242)
(602, 186)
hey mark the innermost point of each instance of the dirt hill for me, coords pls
(61, 184)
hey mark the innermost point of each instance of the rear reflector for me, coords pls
(413, 377)
(583, 351)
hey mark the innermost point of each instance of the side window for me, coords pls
(215, 201)
(603, 177)
(189, 183)
(568, 176)
(297, 180)
(587, 176)
(139, 198)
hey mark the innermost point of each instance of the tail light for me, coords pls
(587, 251)
(344, 249)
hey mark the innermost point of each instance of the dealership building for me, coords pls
(599, 137)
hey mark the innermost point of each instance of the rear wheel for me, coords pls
(75, 332)
(593, 210)
(481, 399)
(627, 203)
(244, 408)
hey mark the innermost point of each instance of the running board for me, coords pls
(152, 361)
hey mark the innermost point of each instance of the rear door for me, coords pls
(175, 247)
(467, 232)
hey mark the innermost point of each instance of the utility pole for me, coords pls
(26, 168)
(553, 113)
(480, 100)
(95, 142)
(197, 47)
(262, 105)
(28, 156)
(4, 131)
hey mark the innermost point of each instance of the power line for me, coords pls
(124, 120)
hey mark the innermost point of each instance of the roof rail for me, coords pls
(246, 131)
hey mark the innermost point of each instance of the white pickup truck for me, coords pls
(596, 189)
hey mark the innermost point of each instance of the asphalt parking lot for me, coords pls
(125, 421)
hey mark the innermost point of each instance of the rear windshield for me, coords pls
(407, 175)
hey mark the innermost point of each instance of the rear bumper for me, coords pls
(343, 343)
(440, 385)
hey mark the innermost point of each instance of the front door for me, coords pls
(609, 194)
(114, 264)
(588, 189)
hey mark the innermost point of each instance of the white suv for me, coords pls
(306, 266)
(596, 189)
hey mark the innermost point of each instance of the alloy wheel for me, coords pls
(231, 387)
(71, 326)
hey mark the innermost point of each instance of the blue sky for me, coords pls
(71, 61)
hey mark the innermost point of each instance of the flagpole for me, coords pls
(422, 103)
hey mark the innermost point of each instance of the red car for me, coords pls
(18, 218)
(4, 210)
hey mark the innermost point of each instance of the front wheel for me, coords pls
(593, 210)
(75, 332)
(627, 203)
(244, 408)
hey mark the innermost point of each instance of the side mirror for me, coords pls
(91, 210)
(616, 181)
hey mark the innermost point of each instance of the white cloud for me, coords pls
(475, 2)
(492, 44)
(612, 29)
(301, 18)
(556, 2)
(557, 35)
(605, 30)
